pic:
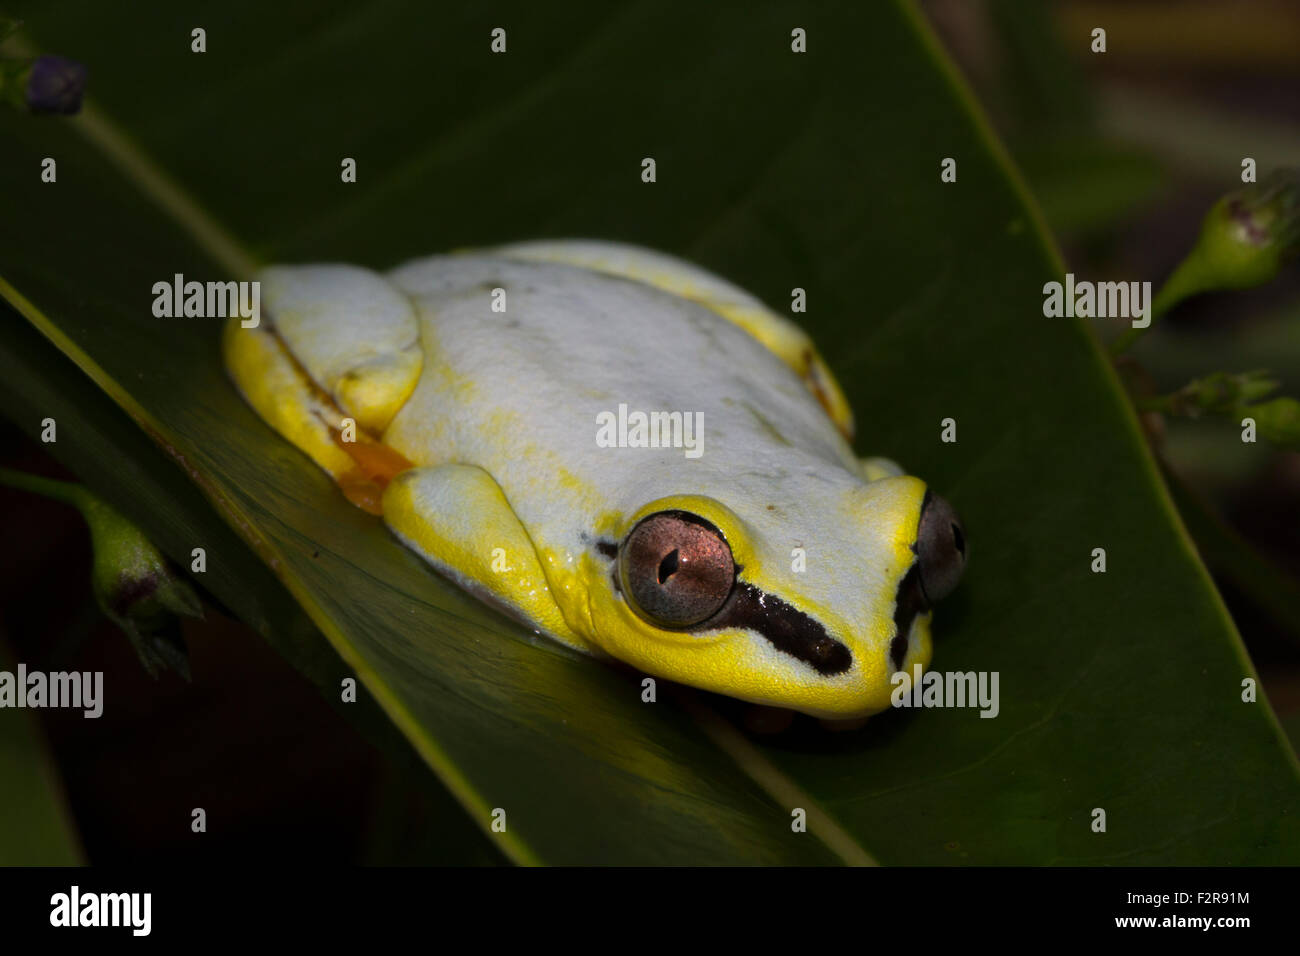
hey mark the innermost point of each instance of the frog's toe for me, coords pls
(458, 519)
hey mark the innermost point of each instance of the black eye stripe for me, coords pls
(910, 602)
(788, 629)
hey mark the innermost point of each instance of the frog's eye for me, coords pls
(676, 569)
(940, 548)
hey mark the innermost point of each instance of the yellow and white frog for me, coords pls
(461, 397)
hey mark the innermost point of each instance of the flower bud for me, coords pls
(55, 84)
(1223, 392)
(137, 589)
(1248, 234)
(132, 582)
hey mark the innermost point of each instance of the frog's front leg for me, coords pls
(458, 519)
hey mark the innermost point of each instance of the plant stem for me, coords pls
(1184, 282)
(63, 491)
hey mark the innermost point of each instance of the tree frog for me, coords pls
(461, 398)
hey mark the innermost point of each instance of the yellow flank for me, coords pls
(458, 518)
(275, 385)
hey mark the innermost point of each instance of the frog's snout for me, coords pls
(940, 548)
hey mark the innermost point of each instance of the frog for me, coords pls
(458, 397)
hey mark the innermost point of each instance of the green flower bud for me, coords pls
(1222, 392)
(132, 582)
(137, 589)
(1245, 239)
(1248, 234)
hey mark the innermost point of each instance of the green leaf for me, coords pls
(1118, 690)
(35, 827)
(139, 479)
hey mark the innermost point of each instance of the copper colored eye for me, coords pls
(676, 569)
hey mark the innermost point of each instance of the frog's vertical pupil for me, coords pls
(958, 539)
(668, 566)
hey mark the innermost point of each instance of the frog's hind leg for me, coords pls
(458, 519)
(336, 357)
(354, 333)
(278, 389)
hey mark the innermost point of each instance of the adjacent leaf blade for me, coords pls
(35, 828)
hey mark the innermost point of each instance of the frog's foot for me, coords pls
(873, 469)
(336, 358)
(458, 519)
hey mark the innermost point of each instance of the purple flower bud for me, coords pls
(55, 85)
